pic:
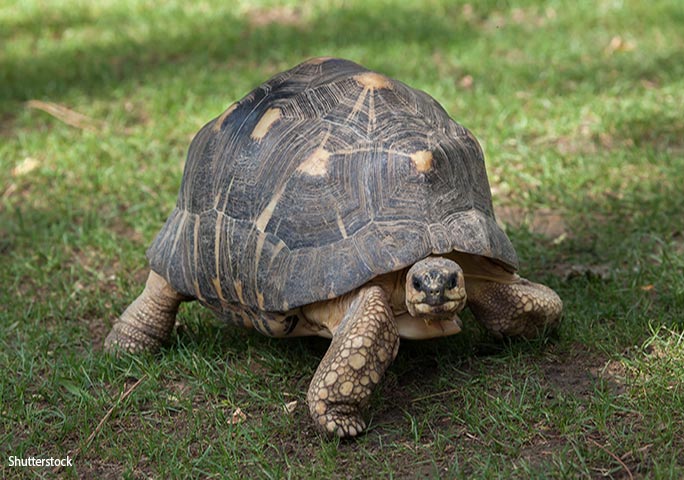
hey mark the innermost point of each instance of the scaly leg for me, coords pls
(147, 322)
(518, 309)
(363, 346)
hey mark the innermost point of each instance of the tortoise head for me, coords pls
(435, 287)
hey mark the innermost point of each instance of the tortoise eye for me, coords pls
(452, 281)
(416, 283)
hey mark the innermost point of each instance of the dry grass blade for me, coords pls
(433, 395)
(66, 115)
(289, 407)
(104, 419)
(617, 459)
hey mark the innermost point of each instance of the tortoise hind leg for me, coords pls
(147, 322)
(363, 346)
(517, 309)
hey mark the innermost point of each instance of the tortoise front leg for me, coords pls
(147, 322)
(363, 346)
(516, 309)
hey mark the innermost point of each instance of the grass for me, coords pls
(579, 111)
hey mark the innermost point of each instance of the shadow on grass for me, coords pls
(199, 43)
(229, 40)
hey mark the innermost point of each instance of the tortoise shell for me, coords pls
(320, 179)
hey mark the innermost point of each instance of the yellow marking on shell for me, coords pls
(226, 194)
(217, 245)
(275, 251)
(271, 116)
(373, 81)
(219, 290)
(195, 285)
(237, 284)
(246, 319)
(266, 214)
(359, 104)
(261, 238)
(340, 226)
(224, 115)
(422, 160)
(371, 114)
(316, 164)
(195, 255)
(317, 60)
(179, 229)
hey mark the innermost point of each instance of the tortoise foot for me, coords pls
(147, 322)
(127, 338)
(522, 309)
(363, 346)
(341, 420)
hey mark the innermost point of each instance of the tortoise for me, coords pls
(335, 201)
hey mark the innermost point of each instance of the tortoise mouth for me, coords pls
(430, 327)
(437, 310)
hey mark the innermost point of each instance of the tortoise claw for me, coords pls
(341, 420)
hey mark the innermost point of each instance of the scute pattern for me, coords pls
(359, 354)
(254, 226)
(523, 309)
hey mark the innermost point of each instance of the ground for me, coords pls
(579, 114)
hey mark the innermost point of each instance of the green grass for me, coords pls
(579, 110)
